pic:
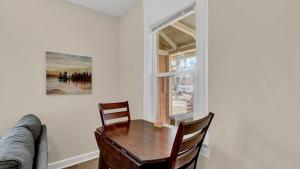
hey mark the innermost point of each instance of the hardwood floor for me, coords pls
(93, 164)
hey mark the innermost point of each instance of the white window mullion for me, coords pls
(173, 74)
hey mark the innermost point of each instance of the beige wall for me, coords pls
(254, 67)
(131, 58)
(27, 30)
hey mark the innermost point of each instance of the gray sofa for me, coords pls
(25, 145)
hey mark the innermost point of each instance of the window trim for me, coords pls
(201, 10)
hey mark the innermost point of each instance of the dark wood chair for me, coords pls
(113, 115)
(188, 143)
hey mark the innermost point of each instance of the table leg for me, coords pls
(102, 163)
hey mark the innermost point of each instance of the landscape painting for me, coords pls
(68, 74)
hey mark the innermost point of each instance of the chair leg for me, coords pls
(195, 162)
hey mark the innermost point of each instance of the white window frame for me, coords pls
(201, 72)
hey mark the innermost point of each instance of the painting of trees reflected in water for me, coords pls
(68, 74)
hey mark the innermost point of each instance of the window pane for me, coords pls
(182, 94)
(163, 63)
(175, 96)
(177, 63)
(163, 104)
(183, 62)
(175, 66)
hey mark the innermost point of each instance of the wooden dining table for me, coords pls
(134, 144)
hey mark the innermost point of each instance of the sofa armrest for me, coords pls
(42, 150)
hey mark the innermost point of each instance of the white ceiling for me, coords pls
(109, 7)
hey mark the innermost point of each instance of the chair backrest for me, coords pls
(188, 142)
(113, 115)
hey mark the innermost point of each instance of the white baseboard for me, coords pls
(74, 160)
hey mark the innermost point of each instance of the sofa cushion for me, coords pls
(33, 124)
(17, 149)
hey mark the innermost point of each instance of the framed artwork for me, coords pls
(68, 74)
